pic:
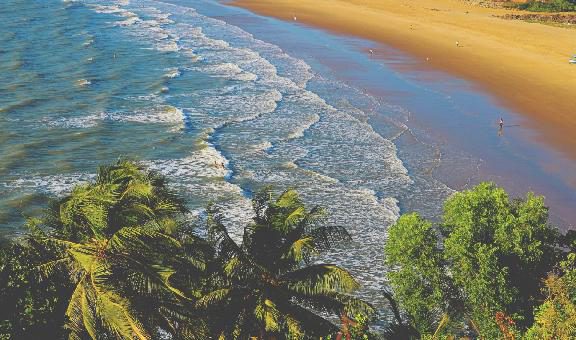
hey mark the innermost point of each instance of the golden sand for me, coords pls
(525, 65)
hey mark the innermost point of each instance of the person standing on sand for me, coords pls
(501, 123)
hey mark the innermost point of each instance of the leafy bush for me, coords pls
(480, 271)
(549, 6)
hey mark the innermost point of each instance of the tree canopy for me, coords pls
(118, 258)
(487, 256)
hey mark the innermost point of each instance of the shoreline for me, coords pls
(523, 65)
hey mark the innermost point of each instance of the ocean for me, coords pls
(180, 86)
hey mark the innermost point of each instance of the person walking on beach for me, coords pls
(501, 123)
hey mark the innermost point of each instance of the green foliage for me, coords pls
(123, 195)
(556, 317)
(267, 284)
(491, 258)
(111, 249)
(116, 259)
(417, 273)
(30, 308)
(549, 6)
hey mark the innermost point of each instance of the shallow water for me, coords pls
(180, 86)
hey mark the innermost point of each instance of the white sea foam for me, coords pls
(202, 175)
(158, 114)
(106, 9)
(82, 122)
(172, 72)
(51, 184)
(262, 147)
(169, 46)
(165, 114)
(228, 70)
(299, 131)
(128, 22)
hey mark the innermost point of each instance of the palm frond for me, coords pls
(142, 239)
(260, 202)
(311, 323)
(326, 237)
(138, 190)
(238, 328)
(288, 198)
(268, 314)
(295, 217)
(87, 207)
(295, 330)
(213, 298)
(182, 322)
(47, 269)
(320, 279)
(33, 227)
(88, 317)
(313, 217)
(336, 304)
(117, 316)
(84, 256)
(168, 207)
(75, 313)
(225, 247)
(301, 249)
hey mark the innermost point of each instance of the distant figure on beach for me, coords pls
(501, 128)
(457, 44)
(371, 52)
(295, 18)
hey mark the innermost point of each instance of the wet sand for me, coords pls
(524, 65)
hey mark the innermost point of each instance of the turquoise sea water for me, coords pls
(180, 86)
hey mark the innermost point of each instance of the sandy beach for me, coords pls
(524, 65)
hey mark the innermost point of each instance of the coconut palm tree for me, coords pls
(123, 282)
(123, 194)
(133, 262)
(267, 286)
